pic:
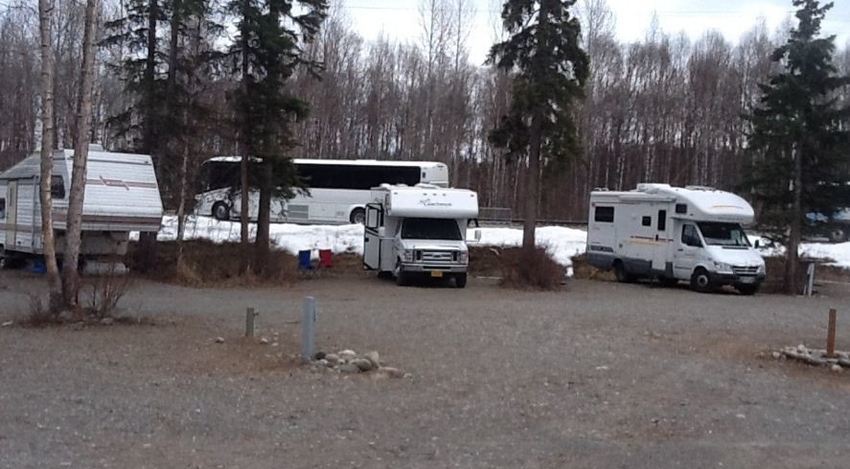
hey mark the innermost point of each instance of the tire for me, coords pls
(460, 280)
(221, 211)
(620, 272)
(747, 290)
(358, 216)
(701, 281)
(838, 235)
(401, 278)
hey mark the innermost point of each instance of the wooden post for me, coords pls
(830, 335)
(308, 329)
(249, 322)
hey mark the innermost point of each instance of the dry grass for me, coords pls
(530, 269)
(208, 264)
(583, 270)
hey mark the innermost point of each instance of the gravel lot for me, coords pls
(599, 375)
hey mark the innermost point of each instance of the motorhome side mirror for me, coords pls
(757, 244)
(477, 236)
(382, 231)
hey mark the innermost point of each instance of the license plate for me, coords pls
(748, 280)
(436, 274)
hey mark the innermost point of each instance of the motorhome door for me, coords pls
(11, 213)
(372, 236)
(688, 247)
(661, 253)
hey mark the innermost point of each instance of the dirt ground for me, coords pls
(598, 375)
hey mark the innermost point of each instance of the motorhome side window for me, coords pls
(604, 214)
(2, 209)
(690, 237)
(57, 187)
(646, 221)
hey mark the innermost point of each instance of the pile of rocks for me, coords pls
(348, 361)
(817, 357)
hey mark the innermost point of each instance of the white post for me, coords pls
(308, 329)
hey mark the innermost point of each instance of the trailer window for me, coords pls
(681, 208)
(604, 215)
(662, 220)
(646, 221)
(57, 187)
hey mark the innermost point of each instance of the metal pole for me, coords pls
(249, 322)
(830, 335)
(308, 329)
(810, 279)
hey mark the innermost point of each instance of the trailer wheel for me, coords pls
(221, 211)
(620, 272)
(460, 280)
(701, 281)
(358, 216)
(838, 235)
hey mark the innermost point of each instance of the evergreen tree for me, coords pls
(799, 139)
(269, 49)
(550, 69)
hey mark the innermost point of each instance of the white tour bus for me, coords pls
(338, 189)
(674, 234)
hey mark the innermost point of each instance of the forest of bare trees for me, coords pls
(666, 109)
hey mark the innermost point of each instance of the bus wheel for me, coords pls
(837, 235)
(358, 216)
(701, 281)
(221, 211)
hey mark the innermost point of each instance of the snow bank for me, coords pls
(562, 243)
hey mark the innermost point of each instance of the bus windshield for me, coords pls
(723, 234)
(430, 228)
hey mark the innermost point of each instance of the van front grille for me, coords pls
(745, 270)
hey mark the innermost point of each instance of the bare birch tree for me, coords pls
(70, 269)
(54, 282)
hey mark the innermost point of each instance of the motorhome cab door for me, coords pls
(688, 249)
(372, 237)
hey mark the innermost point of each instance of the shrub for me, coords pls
(39, 314)
(531, 269)
(106, 291)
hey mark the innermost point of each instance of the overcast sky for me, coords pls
(399, 19)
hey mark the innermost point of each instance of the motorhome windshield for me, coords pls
(723, 234)
(430, 228)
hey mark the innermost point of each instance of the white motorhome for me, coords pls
(419, 231)
(673, 234)
(122, 195)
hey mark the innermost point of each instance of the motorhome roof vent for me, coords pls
(700, 188)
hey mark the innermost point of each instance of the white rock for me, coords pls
(362, 363)
(347, 354)
(776, 355)
(836, 368)
(801, 348)
(391, 372)
(264, 341)
(7, 324)
(374, 358)
(219, 340)
(107, 321)
(349, 368)
(332, 358)
(275, 344)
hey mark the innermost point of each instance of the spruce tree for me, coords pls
(549, 71)
(269, 50)
(798, 145)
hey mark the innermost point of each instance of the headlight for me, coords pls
(464, 257)
(407, 255)
(722, 267)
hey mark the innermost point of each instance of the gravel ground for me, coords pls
(598, 375)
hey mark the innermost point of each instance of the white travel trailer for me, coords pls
(673, 234)
(419, 231)
(122, 195)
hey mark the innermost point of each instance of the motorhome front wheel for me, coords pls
(701, 281)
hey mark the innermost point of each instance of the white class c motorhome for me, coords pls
(419, 231)
(673, 233)
(122, 195)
